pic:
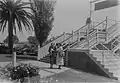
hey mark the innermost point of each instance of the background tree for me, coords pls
(14, 40)
(42, 18)
(13, 13)
(32, 40)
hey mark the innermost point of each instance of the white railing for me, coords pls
(109, 50)
(105, 56)
(116, 47)
(116, 44)
(44, 50)
(92, 40)
(73, 38)
(62, 39)
(113, 31)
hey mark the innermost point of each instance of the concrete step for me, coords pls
(109, 63)
(101, 57)
(116, 75)
(112, 56)
(99, 51)
(111, 66)
(107, 57)
(106, 60)
(114, 70)
(115, 61)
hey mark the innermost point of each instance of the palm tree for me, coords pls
(13, 13)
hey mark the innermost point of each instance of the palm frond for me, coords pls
(1, 24)
(4, 26)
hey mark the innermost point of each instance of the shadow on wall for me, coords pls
(80, 60)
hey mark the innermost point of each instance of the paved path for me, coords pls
(64, 75)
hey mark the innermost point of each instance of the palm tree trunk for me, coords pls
(10, 34)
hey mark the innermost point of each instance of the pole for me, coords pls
(90, 10)
(106, 28)
(88, 35)
(89, 23)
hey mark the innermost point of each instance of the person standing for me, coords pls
(52, 52)
(60, 54)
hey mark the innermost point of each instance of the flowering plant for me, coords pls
(20, 71)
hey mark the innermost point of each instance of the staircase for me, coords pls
(101, 43)
(46, 58)
(99, 46)
(44, 49)
(106, 54)
(109, 60)
(78, 38)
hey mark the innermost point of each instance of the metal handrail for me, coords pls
(111, 27)
(113, 50)
(69, 38)
(107, 57)
(92, 44)
(53, 40)
(70, 45)
(74, 33)
(93, 33)
(116, 39)
(108, 49)
(112, 20)
(99, 23)
(93, 37)
(111, 32)
(112, 37)
(114, 42)
(81, 42)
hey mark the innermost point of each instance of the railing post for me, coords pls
(88, 35)
(103, 56)
(78, 36)
(63, 36)
(72, 34)
(96, 35)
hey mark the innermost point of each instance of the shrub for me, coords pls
(20, 71)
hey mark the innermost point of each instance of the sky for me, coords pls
(71, 15)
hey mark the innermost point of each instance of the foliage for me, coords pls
(15, 39)
(20, 71)
(32, 40)
(42, 18)
(13, 13)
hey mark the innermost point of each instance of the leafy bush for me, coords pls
(20, 71)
